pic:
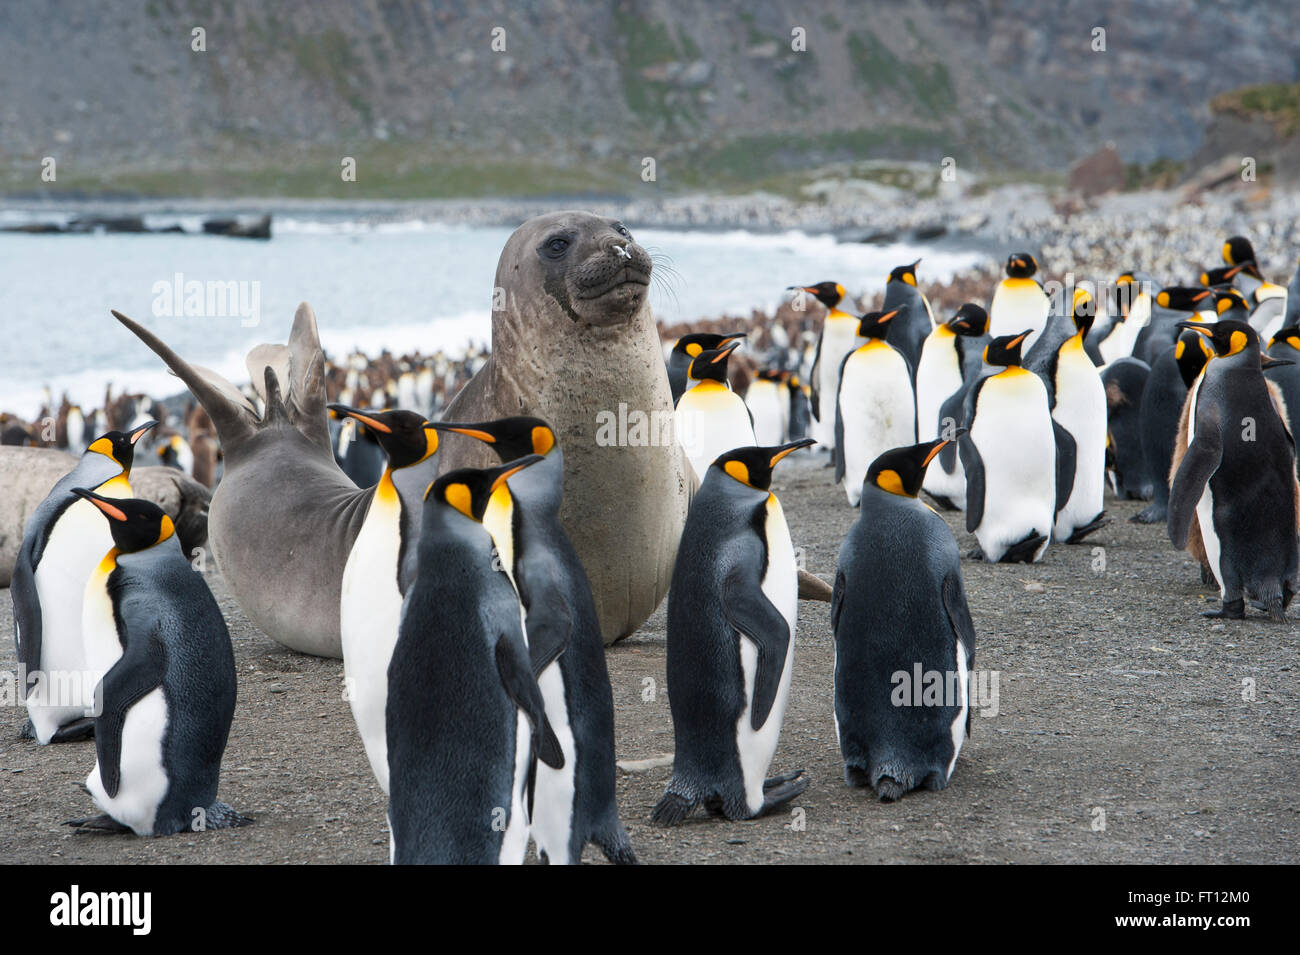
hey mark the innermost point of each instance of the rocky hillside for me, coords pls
(529, 96)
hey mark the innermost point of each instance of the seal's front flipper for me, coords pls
(75, 731)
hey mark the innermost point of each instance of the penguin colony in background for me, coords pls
(472, 652)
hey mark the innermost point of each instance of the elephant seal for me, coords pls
(284, 517)
(28, 474)
(575, 344)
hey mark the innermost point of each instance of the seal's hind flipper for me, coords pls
(306, 381)
(233, 416)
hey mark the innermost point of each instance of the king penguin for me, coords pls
(1010, 457)
(710, 418)
(466, 721)
(576, 803)
(915, 320)
(1019, 301)
(1284, 350)
(1078, 401)
(166, 702)
(687, 348)
(64, 540)
(1163, 398)
(1238, 478)
(951, 359)
(838, 337)
(876, 407)
(377, 574)
(900, 618)
(1173, 304)
(731, 630)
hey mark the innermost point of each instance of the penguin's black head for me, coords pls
(1083, 311)
(405, 436)
(829, 294)
(1005, 350)
(711, 365)
(1183, 298)
(1220, 276)
(468, 490)
(902, 470)
(510, 438)
(1289, 336)
(876, 324)
(1227, 336)
(1021, 265)
(1228, 299)
(1238, 251)
(136, 524)
(774, 375)
(752, 467)
(1191, 352)
(905, 273)
(693, 345)
(120, 445)
(970, 320)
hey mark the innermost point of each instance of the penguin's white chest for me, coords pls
(1012, 429)
(756, 748)
(1081, 410)
(77, 543)
(142, 779)
(1018, 304)
(553, 807)
(370, 611)
(765, 402)
(938, 376)
(839, 337)
(877, 410)
(1205, 506)
(711, 420)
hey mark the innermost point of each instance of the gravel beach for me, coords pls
(1116, 703)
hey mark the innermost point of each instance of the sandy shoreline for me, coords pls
(1114, 695)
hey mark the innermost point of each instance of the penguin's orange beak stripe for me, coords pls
(501, 479)
(787, 452)
(933, 451)
(1201, 295)
(1203, 330)
(1017, 340)
(887, 316)
(114, 512)
(369, 422)
(725, 351)
(475, 433)
(138, 433)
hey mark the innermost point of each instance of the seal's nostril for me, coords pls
(622, 251)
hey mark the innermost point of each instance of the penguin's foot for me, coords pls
(1231, 610)
(1207, 576)
(1096, 524)
(945, 503)
(616, 846)
(100, 823)
(222, 816)
(75, 731)
(28, 731)
(1023, 551)
(671, 809)
(857, 777)
(1153, 514)
(889, 789)
(1276, 609)
(779, 790)
(976, 553)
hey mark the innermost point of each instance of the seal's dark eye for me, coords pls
(622, 230)
(557, 246)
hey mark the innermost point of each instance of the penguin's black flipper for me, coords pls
(140, 671)
(837, 453)
(520, 685)
(1066, 454)
(1201, 460)
(549, 625)
(837, 601)
(954, 409)
(815, 401)
(27, 604)
(954, 602)
(973, 464)
(746, 607)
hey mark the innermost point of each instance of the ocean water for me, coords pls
(404, 286)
